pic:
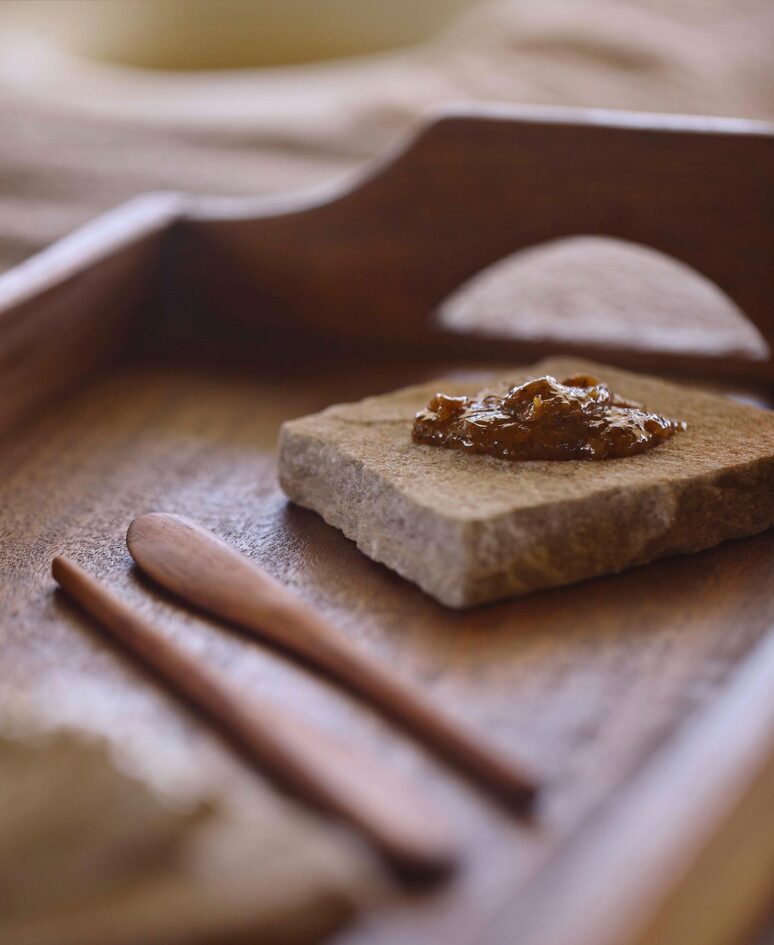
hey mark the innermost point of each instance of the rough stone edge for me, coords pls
(458, 562)
(467, 554)
(374, 514)
(677, 510)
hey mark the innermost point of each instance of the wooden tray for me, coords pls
(147, 362)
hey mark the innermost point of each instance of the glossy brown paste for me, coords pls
(578, 418)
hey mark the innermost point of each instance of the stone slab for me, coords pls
(473, 529)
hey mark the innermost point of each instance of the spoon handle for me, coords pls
(323, 770)
(197, 565)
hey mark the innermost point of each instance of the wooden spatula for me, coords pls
(352, 785)
(195, 564)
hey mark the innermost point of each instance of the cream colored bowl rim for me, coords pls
(282, 96)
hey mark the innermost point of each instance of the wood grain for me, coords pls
(195, 564)
(76, 307)
(596, 684)
(349, 784)
(367, 262)
(373, 260)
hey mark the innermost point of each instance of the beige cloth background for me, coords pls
(83, 137)
(62, 164)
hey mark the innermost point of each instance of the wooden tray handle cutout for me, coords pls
(369, 261)
(472, 187)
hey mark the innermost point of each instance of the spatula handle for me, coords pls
(197, 565)
(322, 769)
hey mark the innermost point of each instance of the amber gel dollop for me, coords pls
(577, 418)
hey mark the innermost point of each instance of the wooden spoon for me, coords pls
(194, 563)
(349, 784)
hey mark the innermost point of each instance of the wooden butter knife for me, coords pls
(197, 565)
(350, 784)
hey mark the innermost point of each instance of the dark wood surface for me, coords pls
(368, 261)
(591, 684)
(201, 569)
(624, 692)
(303, 758)
(374, 259)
